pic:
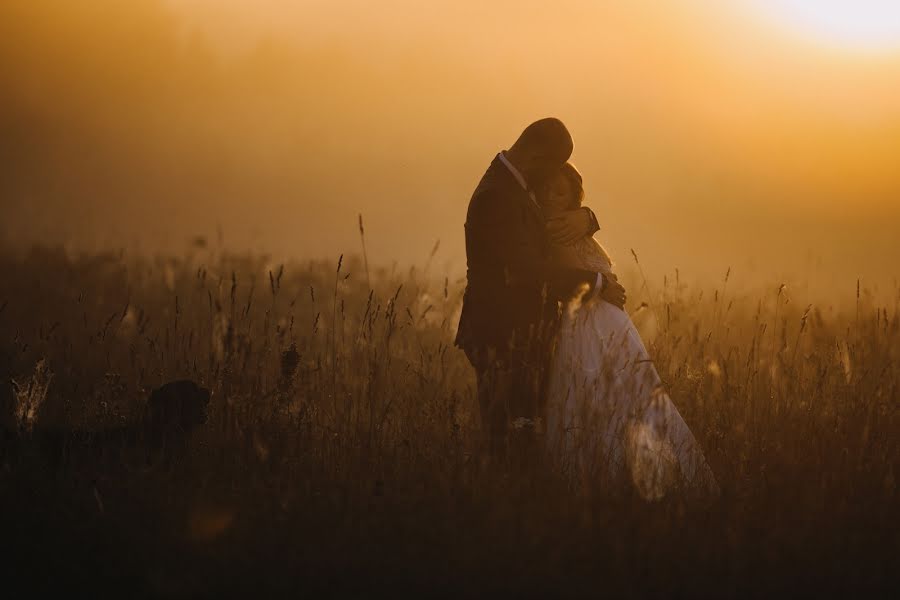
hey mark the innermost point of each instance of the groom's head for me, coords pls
(542, 149)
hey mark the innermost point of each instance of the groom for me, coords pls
(511, 305)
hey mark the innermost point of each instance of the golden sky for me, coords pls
(747, 133)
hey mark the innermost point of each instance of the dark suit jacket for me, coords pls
(512, 293)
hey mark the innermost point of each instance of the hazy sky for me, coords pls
(710, 133)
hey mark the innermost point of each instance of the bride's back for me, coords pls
(585, 253)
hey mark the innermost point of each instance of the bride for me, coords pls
(608, 416)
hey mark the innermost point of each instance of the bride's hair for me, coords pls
(576, 181)
(576, 185)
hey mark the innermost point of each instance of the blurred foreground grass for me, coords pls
(341, 455)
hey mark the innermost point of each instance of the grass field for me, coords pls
(341, 454)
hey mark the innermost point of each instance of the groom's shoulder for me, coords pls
(489, 198)
(492, 183)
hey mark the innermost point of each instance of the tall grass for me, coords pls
(342, 450)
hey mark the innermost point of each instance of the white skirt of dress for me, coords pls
(609, 418)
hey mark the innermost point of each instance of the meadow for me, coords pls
(342, 458)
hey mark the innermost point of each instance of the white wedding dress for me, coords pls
(609, 419)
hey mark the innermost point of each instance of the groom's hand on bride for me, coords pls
(571, 225)
(613, 291)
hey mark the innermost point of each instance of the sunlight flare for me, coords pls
(870, 25)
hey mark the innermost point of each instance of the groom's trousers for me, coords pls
(511, 400)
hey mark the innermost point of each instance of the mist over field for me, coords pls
(707, 140)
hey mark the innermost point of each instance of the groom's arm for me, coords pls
(498, 226)
(572, 225)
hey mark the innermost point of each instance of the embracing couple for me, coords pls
(560, 366)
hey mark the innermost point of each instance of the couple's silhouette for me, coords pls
(543, 323)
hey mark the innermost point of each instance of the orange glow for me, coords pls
(141, 124)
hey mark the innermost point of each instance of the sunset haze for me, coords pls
(709, 135)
